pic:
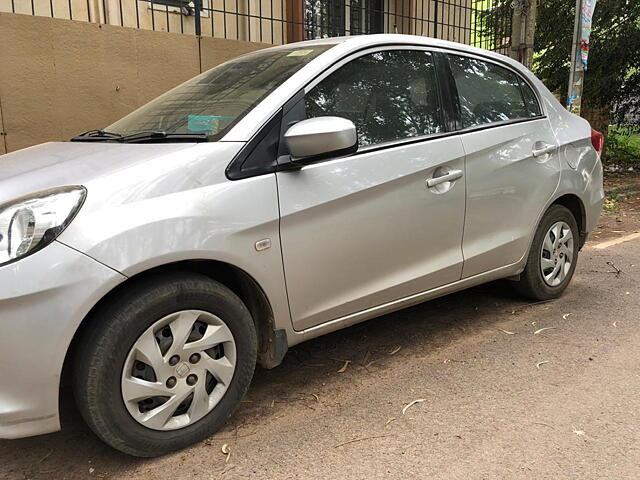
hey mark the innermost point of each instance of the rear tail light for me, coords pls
(597, 140)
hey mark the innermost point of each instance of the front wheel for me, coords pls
(553, 256)
(165, 364)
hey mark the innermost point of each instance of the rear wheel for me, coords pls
(553, 256)
(165, 364)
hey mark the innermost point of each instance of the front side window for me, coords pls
(489, 93)
(388, 95)
(214, 101)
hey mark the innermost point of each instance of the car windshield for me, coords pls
(214, 101)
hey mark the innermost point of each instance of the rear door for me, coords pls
(365, 230)
(512, 165)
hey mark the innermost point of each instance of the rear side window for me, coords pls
(489, 93)
(533, 107)
(388, 95)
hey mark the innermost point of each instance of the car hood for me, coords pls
(118, 171)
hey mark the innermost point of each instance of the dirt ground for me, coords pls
(503, 389)
(621, 214)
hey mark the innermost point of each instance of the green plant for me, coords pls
(610, 205)
(621, 149)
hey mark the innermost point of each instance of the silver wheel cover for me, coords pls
(178, 370)
(556, 254)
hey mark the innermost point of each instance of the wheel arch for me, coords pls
(575, 205)
(272, 343)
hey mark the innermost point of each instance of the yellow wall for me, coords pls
(61, 77)
(219, 20)
(248, 20)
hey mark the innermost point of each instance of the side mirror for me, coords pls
(316, 138)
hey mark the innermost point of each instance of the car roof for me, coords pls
(371, 40)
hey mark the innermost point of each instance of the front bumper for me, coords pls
(43, 299)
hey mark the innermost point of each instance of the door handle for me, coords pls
(447, 177)
(538, 152)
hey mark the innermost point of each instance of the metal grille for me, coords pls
(482, 23)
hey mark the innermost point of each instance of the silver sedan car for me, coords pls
(282, 195)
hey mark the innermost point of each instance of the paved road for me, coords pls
(492, 409)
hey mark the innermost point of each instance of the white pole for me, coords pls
(574, 94)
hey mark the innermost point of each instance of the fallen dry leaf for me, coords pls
(542, 423)
(344, 367)
(420, 400)
(566, 315)
(541, 363)
(227, 451)
(360, 440)
(48, 454)
(365, 359)
(542, 330)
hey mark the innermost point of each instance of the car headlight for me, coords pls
(30, 223)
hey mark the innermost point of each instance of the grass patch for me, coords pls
(622, 147)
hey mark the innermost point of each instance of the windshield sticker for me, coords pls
(300, 53)
(206, 123)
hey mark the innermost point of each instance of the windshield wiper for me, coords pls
(96, 135)
(150, 136)
(160, 136)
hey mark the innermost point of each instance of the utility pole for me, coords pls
(530, 33)
(579, 53)
(523, 31)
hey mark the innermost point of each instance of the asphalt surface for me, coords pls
(505, 389)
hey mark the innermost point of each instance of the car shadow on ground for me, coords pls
(307, 367)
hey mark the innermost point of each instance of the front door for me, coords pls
(364, 230)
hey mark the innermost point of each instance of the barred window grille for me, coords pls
(482, 23)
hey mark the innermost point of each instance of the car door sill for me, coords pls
(372, 312)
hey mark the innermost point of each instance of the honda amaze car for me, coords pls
(282, 195)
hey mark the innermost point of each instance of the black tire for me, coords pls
(104, 346)
(532, 284)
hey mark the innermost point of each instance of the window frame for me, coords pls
(521, 81)
(288, 113)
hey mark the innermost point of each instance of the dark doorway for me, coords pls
(332, 18)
